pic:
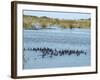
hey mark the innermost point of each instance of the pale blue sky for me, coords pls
(59, 15)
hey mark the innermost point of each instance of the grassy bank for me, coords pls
(30, 21)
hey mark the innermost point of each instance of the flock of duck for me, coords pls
(54, 52)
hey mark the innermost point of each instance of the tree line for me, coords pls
(44, 21)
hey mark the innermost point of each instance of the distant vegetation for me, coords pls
(30, 21)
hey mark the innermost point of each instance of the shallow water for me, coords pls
(72, 39)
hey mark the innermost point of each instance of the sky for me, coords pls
(59, 15)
